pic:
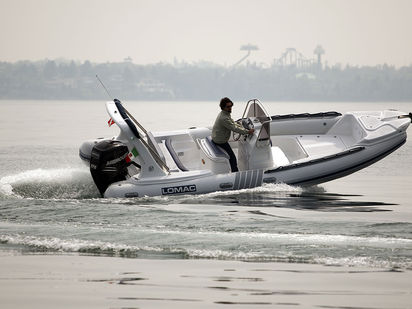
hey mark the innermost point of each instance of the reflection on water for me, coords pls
(311, 199)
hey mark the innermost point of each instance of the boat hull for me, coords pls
(304, 174)
(296, 149)
(199, 183)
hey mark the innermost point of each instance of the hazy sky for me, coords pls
(359, 32)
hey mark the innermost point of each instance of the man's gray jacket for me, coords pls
(223, 126)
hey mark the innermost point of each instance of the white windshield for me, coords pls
(255, 109)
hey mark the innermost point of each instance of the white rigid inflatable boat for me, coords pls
(299, 149)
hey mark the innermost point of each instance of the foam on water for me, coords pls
(291, 238)
(62, 183)
(70, 245)
(265, 188)
(54, 244)
(365, 261)
(99, 247)
(76, 183)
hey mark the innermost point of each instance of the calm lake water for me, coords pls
(49, 204)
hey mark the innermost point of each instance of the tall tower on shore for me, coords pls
(319, 51)
(249, 48)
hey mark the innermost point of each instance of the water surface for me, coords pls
(49, 204)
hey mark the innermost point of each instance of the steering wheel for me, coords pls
(247, 123)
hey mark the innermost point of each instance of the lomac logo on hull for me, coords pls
(179, 189)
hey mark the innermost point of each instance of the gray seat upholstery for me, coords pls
(217, 151)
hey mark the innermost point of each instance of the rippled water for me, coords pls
(49, 204)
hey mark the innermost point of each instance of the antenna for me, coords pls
(104, 87)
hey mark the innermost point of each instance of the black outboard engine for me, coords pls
(108, 164)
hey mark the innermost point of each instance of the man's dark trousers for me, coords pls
(232, 157)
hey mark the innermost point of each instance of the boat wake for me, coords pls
(291, 248)
(62, 183)
(77, 183)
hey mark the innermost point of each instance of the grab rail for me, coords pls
(256, 103)
(152, 151)
(247, 105)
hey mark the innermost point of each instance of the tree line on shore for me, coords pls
(70, 80)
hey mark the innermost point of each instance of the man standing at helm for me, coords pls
(222, 128)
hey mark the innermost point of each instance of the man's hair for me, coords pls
(224, 101)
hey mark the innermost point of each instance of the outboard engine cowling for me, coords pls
(108, 164)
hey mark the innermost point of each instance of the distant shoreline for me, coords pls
(69, 80)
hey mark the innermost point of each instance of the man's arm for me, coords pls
(230, 124)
